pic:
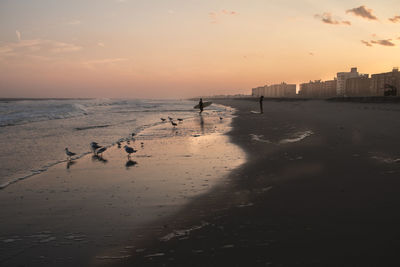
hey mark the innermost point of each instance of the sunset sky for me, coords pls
(181, 48)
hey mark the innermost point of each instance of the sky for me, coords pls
(185, 48)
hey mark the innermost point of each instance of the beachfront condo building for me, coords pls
(341, 80)
(386, 84)
(359, 86)
(318, 89)
(381, 84)
(275, 90)
(352, 84)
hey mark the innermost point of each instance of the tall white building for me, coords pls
(341, 80)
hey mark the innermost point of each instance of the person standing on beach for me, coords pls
(261, 104)
(201, 105)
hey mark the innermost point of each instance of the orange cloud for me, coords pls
(386, 42)
(327, 18)
(362, 11)
(366, 43)
(395, 19)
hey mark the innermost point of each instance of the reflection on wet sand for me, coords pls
(99, 158)
(70, 163)
(130, 163)
(202, 123)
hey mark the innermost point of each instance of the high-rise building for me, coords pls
(341, 80)
(387, 83)
(318, 89)
(275, 90)
(359, 86)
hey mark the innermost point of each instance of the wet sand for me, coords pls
(321, 188)
(95, 211)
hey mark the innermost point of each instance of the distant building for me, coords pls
(318, 89)
(258, 91)
(275, 90)
(359, 86)
(329, 88)
(341, 80)
(388, 82)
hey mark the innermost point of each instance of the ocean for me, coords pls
(35, 133)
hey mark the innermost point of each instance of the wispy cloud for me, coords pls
(362, 11)
(105, 62)
(366, 43)
(36, 47)
(395, 19)
(387, 42)
(215, 17)
(18, 35)
(327, 18)
(74, 22)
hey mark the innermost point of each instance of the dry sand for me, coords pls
(321, 188)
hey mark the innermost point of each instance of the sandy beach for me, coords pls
(96, 210)
(307, 183)
(320, 188)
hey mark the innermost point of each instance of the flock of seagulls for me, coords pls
(171, 120)
(98, 150)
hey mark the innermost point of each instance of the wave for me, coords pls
(23, 112)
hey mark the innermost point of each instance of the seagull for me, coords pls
(69, 153)
(173, 123)
(129, 150)
(163, 119)
(180, 120)
(101, 150)
(94, 146)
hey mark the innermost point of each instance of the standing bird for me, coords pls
(173, 123)
(69, 153)
(180, 120)
(163, 119)
(94, 146)
(170, 119)
(133, 135)
(220, 118)
(129, 150)
(100, 151)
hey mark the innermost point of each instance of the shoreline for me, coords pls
(94, 210)
(328, 199)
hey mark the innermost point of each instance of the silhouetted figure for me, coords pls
(201, 106)
(261, 104)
